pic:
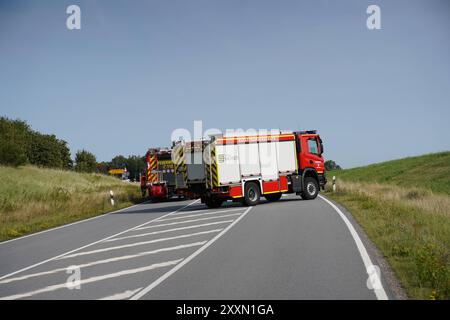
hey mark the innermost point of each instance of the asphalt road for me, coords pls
(291, 249)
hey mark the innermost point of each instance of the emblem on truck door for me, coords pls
(221, 158)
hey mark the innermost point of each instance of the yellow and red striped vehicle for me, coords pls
(158, 183)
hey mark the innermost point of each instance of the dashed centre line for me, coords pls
(93, 279)
(204, 211)
(178, 217)
(93, 243)
(90, 264)
(200, 214)
(138, 244)
(158, 281)
(121, 296)
(187, 221)
(169, 230)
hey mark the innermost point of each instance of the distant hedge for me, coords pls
(20, 145)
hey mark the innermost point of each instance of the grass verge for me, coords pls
(34, 199)
(411, 226)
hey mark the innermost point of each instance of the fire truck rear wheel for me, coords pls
(273, 196)
(252, 194)
(310, 188)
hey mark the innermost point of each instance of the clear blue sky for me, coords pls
(139, 69)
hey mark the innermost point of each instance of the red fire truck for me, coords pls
(248, 167)
(158, 183)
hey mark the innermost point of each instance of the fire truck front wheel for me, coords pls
(310, 188)
(252, 194)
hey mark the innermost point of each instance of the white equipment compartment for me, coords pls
(286, 153)
(249, 159)
(268, 160)
(228, 163)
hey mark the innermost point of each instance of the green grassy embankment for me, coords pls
(404, 207)
(34, 199)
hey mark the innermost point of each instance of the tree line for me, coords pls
(21, 145)
(332, 165)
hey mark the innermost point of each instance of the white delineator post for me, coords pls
(111, 194)
(334, 183)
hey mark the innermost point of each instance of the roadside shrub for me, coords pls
(433, 269)
(11, 153)
(416, 194)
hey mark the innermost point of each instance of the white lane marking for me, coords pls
(169, 230)
(121, 296)
(73, 223)
(93, 243)
(90, 264)
(150, 287)
(93, 279)
(206, 211)
(379, 292)
(139, 244)
(188, 221)
(200, 214)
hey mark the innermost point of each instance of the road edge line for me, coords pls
(379, 293)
